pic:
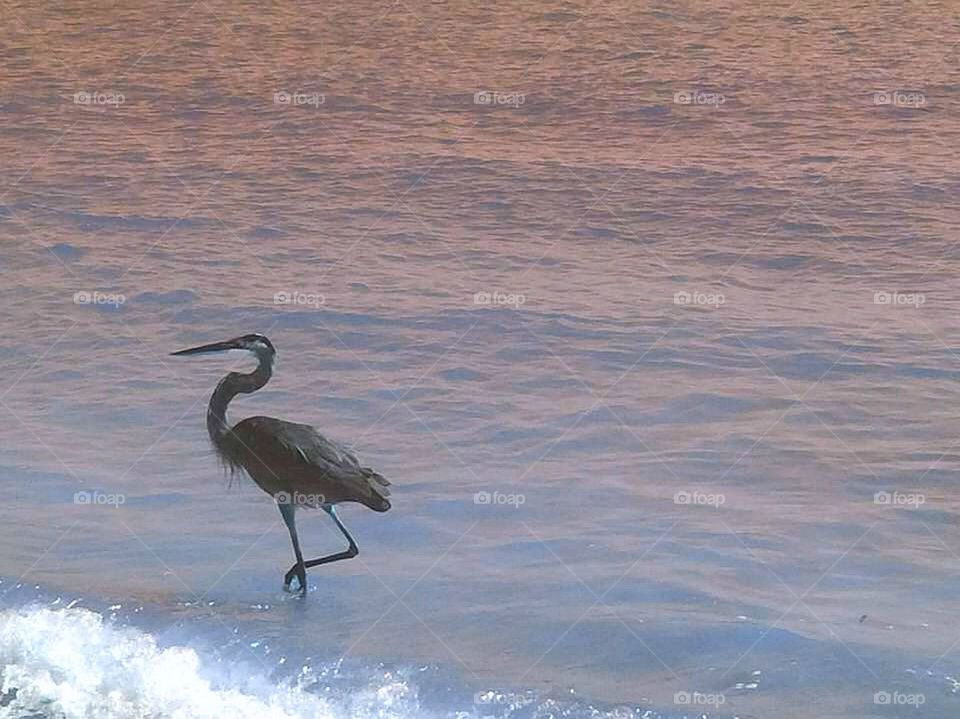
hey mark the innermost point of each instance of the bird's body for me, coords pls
(319, 470)
(291, 462)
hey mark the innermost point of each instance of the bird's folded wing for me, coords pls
(297, 443)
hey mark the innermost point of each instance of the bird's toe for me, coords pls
(300, 576)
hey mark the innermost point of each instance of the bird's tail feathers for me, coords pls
(376, 477)
(377, 485)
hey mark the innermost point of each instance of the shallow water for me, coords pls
(680, 299)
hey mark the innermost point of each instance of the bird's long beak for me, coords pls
(215, 347)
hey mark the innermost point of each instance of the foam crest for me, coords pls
(70, 663)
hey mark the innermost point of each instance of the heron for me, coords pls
(293, 463)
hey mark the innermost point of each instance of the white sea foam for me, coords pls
(72, 664)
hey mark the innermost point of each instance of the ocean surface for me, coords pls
(648, 310)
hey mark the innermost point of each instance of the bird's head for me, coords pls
(259, 345)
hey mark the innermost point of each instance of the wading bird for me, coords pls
(293, 463)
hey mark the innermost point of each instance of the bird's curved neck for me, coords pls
(229, 387)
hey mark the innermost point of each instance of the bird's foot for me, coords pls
(301, 576)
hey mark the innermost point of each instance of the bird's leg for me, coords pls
(287, 510)
(350, 552)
